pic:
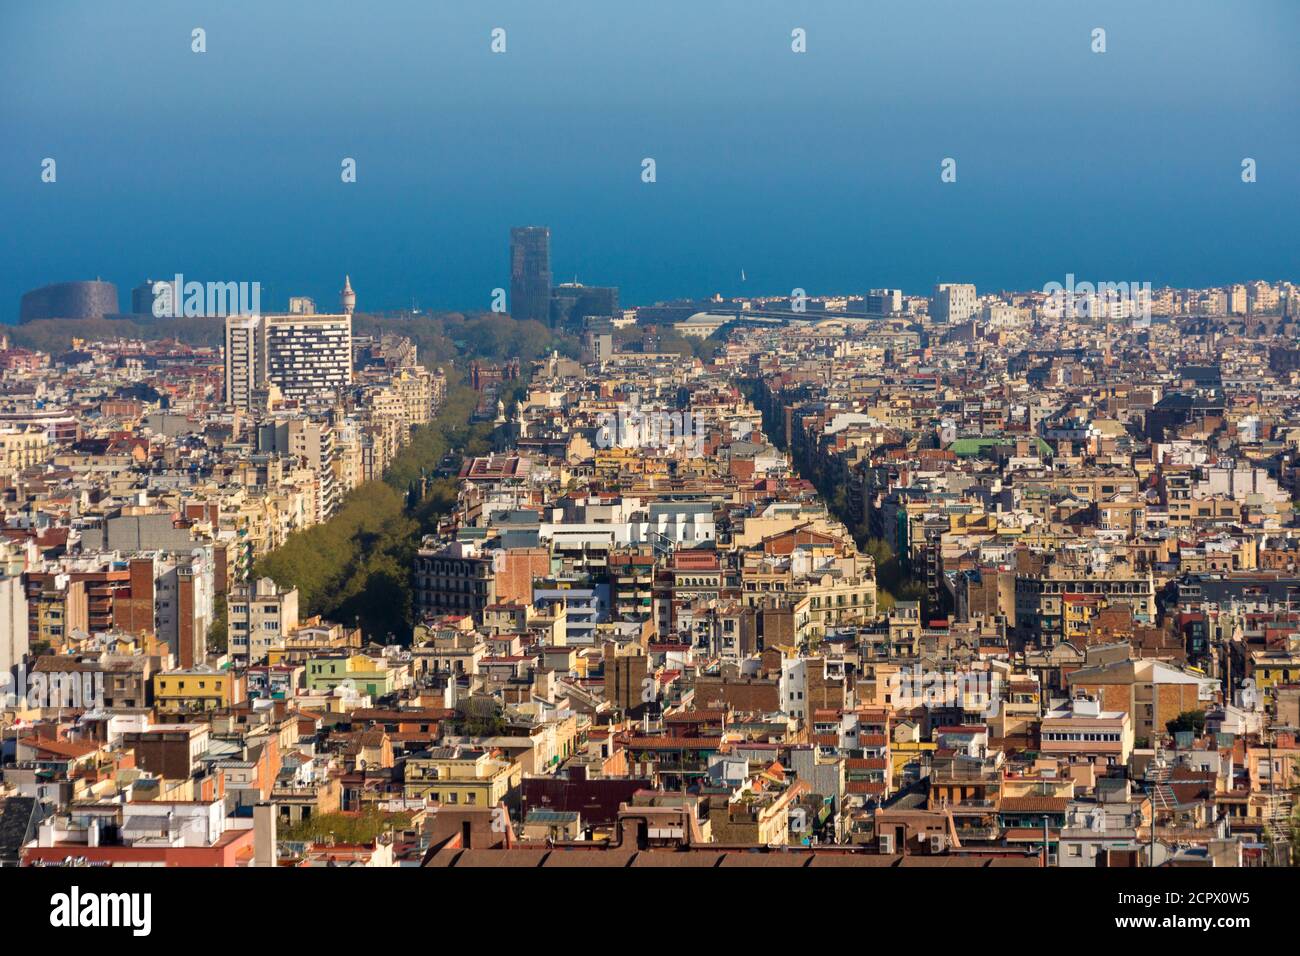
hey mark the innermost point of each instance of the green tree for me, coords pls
(218, 636)
(356, 567)
(1193, 720)
(361, 827)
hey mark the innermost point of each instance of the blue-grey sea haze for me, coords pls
(818, 170)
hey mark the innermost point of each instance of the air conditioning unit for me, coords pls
(887, 843)
(937, 843)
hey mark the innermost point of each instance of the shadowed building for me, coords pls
(572, 302)
(530, 273)
(69, 300)
(143, 298)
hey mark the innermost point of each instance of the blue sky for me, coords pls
(817, 170)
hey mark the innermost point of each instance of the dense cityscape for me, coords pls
(993, 579)
(857, 444)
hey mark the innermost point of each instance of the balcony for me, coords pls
(988, 778)
(978, 834)
(968, 805)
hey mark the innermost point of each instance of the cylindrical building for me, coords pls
(69, 300)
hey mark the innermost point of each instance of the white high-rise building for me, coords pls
(953, 302)
(1237, 299)
(13, 611)
(308, 355)
(245, 364)
(1261, 298)
(302, 355)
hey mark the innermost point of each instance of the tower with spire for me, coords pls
(348, 298)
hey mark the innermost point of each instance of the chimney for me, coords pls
(264, 826)
(1087, 706)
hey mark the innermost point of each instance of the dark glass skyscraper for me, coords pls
(530, 273)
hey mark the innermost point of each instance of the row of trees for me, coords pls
(363, 827)
(441, 337)
(671, 341)
(355, 568)
(451, 336)
(893, 583)
(893, 580)
(56, 335)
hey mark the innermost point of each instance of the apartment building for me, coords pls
(455, 579)
(194, 690)
(22, 448)
(953, 303)
(260, 615)
(304, 356)
(311, 441)
(245, 364)
(1150, 692)
(1081, 732)
(1041, 597)
(461, 776)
